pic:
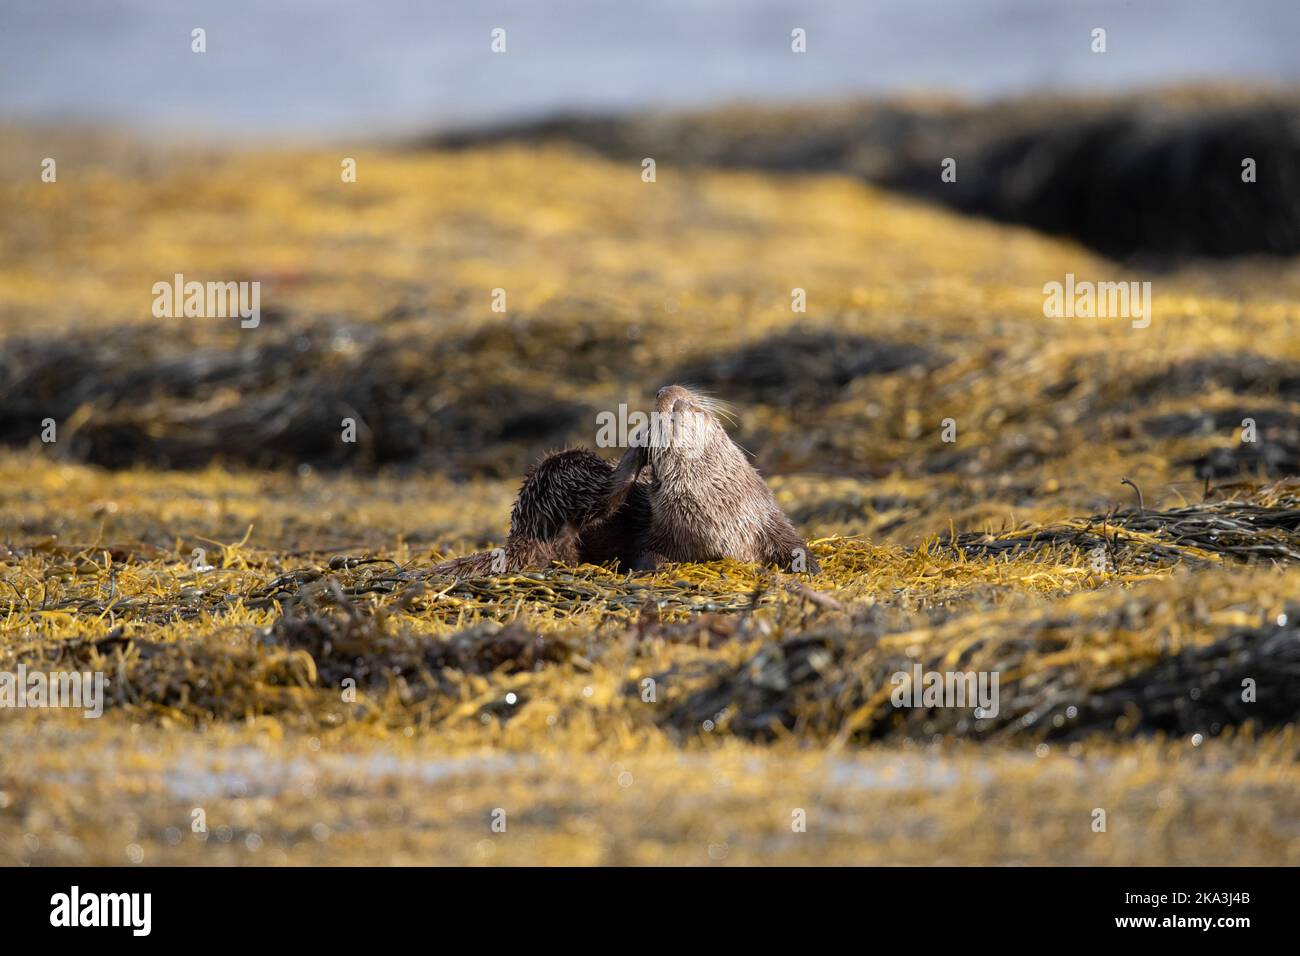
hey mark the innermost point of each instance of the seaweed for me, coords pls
(1198, 534)
(805, 367)
(1155, 175)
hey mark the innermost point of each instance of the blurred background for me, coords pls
(521, 172)
(343, 69)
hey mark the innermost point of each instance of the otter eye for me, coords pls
(660, 393)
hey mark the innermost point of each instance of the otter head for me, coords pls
(684, 428)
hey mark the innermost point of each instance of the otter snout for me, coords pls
(674, 398)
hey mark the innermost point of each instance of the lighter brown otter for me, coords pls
(707, 501)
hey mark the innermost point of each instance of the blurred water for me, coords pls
(249, 772)
(339, 67)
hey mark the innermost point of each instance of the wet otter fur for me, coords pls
(573, 507)
(707, 501)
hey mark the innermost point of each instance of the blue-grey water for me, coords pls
(343, 67)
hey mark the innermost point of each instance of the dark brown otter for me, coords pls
(707, 501)
(574, 507)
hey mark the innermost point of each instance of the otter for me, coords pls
(706, 500)
(684, 492)
(574, 507)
